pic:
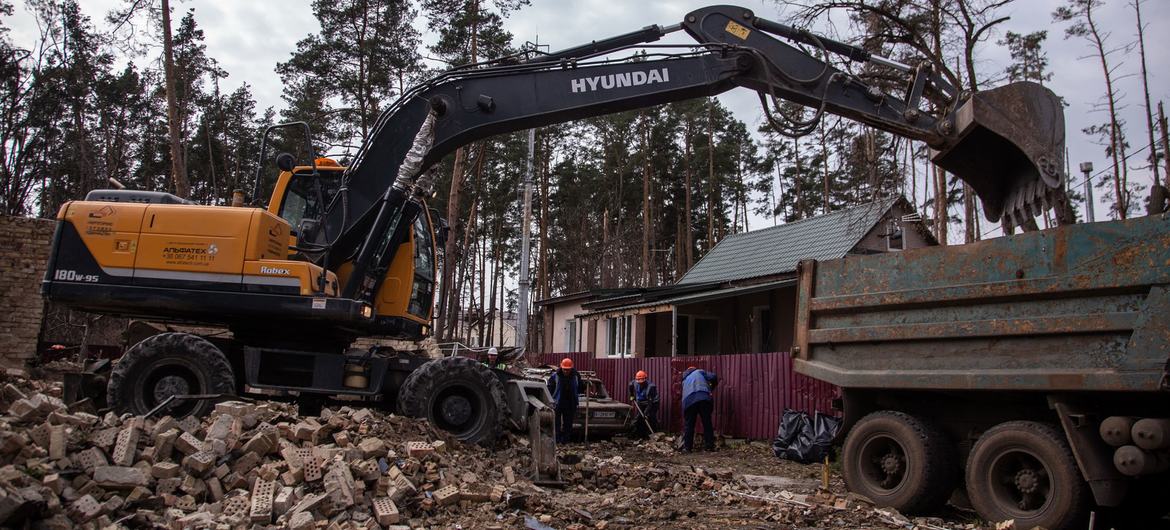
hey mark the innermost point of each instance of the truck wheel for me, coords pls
(1024, 470)
(456, 394)
(169, 364)
(898, 460)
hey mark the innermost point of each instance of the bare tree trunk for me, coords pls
(491, 314)
(969, 235)
(483, 279)
(798, 203)
(178, 164)
(542, 279)
(606, 254)
(688, 241)
(1117, 145)
(940, 205)
(1141, 35)
(1165, 142)
(645, 204)
(913, 175)
(454, 214)
(825, 166)
(710, 175)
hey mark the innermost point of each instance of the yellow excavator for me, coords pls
(341, 253)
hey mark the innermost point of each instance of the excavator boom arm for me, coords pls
(735, 49)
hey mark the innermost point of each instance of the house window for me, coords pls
(618, 335)
(571, 335)
(894, 237)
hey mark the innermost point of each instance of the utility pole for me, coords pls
(1165, 142)
(1087, 169)
(525, 236)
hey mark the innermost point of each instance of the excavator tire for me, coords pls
(456, 394)
(168, 364)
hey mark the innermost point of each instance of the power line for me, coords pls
(1106, 170)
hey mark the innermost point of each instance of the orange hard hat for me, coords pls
(641, 375)
(691, 368)
(566, 363)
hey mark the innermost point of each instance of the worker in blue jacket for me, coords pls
(564, 385)
(645, 395)
(697, 402)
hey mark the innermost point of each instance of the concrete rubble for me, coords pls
(260, 465)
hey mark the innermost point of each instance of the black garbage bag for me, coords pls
(803, 439)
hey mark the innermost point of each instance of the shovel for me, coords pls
(642, 414)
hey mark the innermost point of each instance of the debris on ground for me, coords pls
(258, 464)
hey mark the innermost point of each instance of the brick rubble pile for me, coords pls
(260, 465)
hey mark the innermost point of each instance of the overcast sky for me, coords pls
(248, 38)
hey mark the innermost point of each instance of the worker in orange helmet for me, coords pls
(644, 394)
(564, 385)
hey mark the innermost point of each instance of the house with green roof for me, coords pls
(739, 298)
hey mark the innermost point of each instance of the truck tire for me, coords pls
(898, 460)
(169, 364)
(458, 395)
(1024, 470)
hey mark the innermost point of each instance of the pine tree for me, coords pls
(363, 50)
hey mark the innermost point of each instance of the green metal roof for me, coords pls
(778, 249)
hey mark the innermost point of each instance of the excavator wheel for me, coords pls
(456, 394)
(169, 364)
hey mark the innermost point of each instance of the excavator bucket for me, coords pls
(1007, 143)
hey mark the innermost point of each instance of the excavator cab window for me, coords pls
(305, 200)
(423, 289)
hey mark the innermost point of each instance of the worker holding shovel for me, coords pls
(644, 395)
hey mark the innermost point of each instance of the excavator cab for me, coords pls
(304, 196)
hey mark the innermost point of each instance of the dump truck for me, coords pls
(1033, 370)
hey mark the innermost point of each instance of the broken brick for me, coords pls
(418, 449)
(163, 470)
(283, 501)
(86, 508)
(200, 462)
(385, 511)
(90, 458)
(498, 493)
(188, 444)
(239, 409)
(301, 521)
(126, 446)
(446, 496)
(262, 493)
(57, 442)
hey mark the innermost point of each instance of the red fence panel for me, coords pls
(754, 388)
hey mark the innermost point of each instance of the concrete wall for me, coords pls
(24, 248)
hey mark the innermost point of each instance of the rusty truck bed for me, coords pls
(1084, 307)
